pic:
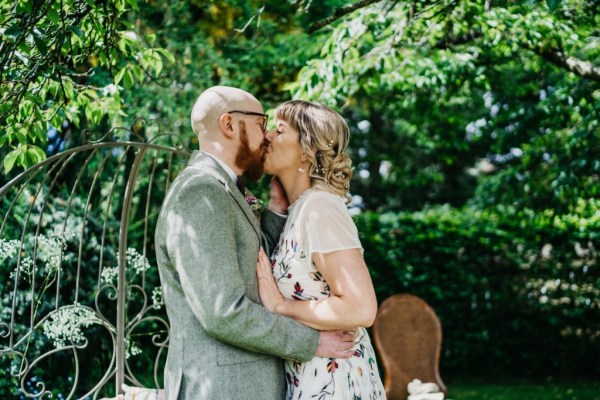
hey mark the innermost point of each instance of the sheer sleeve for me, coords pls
(326, 226)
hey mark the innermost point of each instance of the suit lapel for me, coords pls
(207, 164)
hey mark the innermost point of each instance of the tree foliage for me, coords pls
(67, 61)
(474, 133)
(452, 94)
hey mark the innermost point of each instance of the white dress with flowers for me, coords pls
(319, 222)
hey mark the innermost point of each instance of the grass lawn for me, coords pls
(463, 390)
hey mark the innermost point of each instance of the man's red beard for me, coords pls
(248, 160)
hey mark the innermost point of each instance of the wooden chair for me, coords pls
(408, 337)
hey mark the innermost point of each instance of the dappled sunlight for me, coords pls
(475, 183)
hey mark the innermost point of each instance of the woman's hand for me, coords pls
(269, 293)
(278, 201)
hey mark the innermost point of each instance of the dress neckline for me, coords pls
(302, 196)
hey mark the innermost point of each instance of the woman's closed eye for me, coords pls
(279, 132)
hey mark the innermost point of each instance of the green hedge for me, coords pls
(517, 292)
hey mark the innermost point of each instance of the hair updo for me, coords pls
(323, 136)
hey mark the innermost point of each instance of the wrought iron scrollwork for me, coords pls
(78, 281)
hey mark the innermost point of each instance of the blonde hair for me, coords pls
(323, 136)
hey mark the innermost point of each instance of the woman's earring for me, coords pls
(301, 160)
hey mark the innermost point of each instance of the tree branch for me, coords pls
(448, 41)
(584, 69)
(579, 67)
(339, 13)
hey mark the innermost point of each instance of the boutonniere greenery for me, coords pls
(255, 204)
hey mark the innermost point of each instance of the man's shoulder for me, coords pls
(197, 176)
(194, 184)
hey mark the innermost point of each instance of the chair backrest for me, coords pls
(408, 338)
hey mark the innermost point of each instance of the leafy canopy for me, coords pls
(69, 61)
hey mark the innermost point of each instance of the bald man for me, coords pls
(223, 344)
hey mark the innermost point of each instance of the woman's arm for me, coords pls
(352, 302)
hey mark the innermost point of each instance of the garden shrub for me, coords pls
(517, 292)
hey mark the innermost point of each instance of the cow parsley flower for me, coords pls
(9, 248)
(64, 325)
(157, 300)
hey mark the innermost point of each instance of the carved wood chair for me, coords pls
(408, 337)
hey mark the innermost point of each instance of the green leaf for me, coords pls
(36, 154)
(158, 66)
(89, 93)
(9, 160)
(64, 70)
(122, 45)
(128, 79)
(119, 75)
(76, 31)
(94, 113)
(133, 4)
(553, 4)
(24, 7)
(167, 55)
(137, 73)
(12, 33)
(53, 16)
(41, 46)
(103, 59)
(68, 88)
(88, 112)
(97, 115)
(120, 6)
(21, 136)
(53, 88)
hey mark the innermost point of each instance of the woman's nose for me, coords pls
(269, 135)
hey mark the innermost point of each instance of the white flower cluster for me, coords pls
(64, 325)
(25, 268)
(109, 275)
(9, 248)
(135, 261)
(131, 348)
(68, 233)
(50, 250)
(157, 300)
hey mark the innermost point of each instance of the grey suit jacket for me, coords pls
(223, 344)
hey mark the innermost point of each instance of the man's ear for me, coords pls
(226, 126)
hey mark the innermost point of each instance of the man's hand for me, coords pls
(336, 344)
(278, 201)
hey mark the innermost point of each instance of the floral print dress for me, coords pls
(319, 222)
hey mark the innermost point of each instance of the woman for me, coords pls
(317, 274)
